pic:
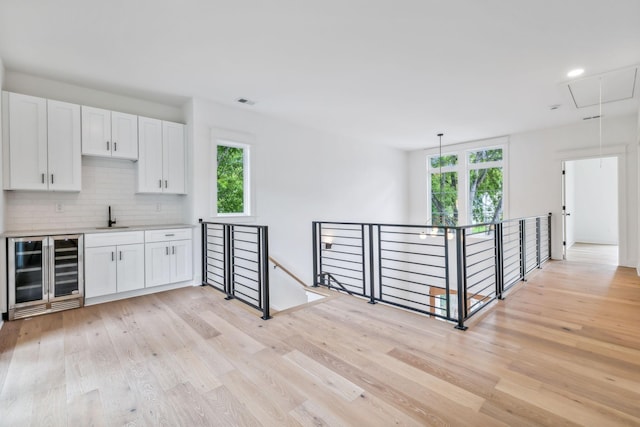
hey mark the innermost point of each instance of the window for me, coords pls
(485, 185)
(232, 178)
(444, 190)
(466, 187)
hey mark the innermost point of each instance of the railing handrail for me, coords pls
(425, 225)
(289, 273)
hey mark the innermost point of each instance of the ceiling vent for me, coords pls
(616, 86)
(245, 101)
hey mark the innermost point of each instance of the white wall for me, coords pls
(596, 201)
(535, 175)
(3, 258)
(104, 181)
(300, 175)
(536, 165)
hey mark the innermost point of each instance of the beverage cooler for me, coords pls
(44, 274)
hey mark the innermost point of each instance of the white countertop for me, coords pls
(87, 230)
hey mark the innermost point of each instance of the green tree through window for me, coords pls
(481, 174)
(230, 179)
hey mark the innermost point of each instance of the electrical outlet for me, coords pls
(59, 207)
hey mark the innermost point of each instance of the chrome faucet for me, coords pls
(111, 221)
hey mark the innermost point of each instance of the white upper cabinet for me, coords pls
(41, 144)
(173, 157)
(64, 152)
(161, 160)
(150, 155)
(109, 133)
(124, 135)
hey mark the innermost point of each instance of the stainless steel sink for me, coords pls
(113, 227)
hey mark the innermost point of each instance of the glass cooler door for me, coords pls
(29, 274)
(65, 267)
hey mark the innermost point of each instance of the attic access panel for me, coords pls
(616, 86)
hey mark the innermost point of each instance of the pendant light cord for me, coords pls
(441, 180)
(600, 119)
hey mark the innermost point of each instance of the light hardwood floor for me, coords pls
(562, 349)
(591, 253)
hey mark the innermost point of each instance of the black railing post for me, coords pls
(364, 269)
(538, 242)
(549, 233)
(264, 264)
(446, 273)
(523, 249)
(228, 255)
(372, 283)
(203, 248)
(316, 273)
(499, 260)
(461, 258)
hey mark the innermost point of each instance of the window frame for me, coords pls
(463, 168)
(234, 140)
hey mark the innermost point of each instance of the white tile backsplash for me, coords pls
(104, 182)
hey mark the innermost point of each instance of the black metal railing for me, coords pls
(236, 262)
(450, 273)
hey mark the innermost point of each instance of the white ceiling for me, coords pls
(394, 72)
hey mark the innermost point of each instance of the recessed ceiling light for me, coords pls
(575, 73)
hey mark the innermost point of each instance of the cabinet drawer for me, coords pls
(168, 234)
(113, 238)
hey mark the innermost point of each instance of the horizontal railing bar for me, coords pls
(251, 279)
(413, 253)
(341, 260)
(386, 287)
(480, 261)
(403, 280)
(332, 250)
(246, 268)
(413, 272)
(348, 277)
(340, 267)
(490, 267)
(407, 300)
(412, 263)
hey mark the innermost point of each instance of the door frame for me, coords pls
(620, 152)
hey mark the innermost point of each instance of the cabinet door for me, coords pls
(64, 152)
(173, 170)
(149, 155)
(27, 143)
(130, 267)
(100, 271)
(181, 260)
(124, 135)
(157, 264)
(96, 132)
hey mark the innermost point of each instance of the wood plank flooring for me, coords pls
(592, 253)
(562, 350)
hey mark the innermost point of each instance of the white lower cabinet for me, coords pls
(114, 262)
(168, 256)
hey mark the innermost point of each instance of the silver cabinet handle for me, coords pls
(160, 183)
(43, 178)
(166, 250)
(166, 184)
(113, 256)
(52, 178)
(115, 146)
(107, 145)
(169, 235)
(120, 255)
(173, 250)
